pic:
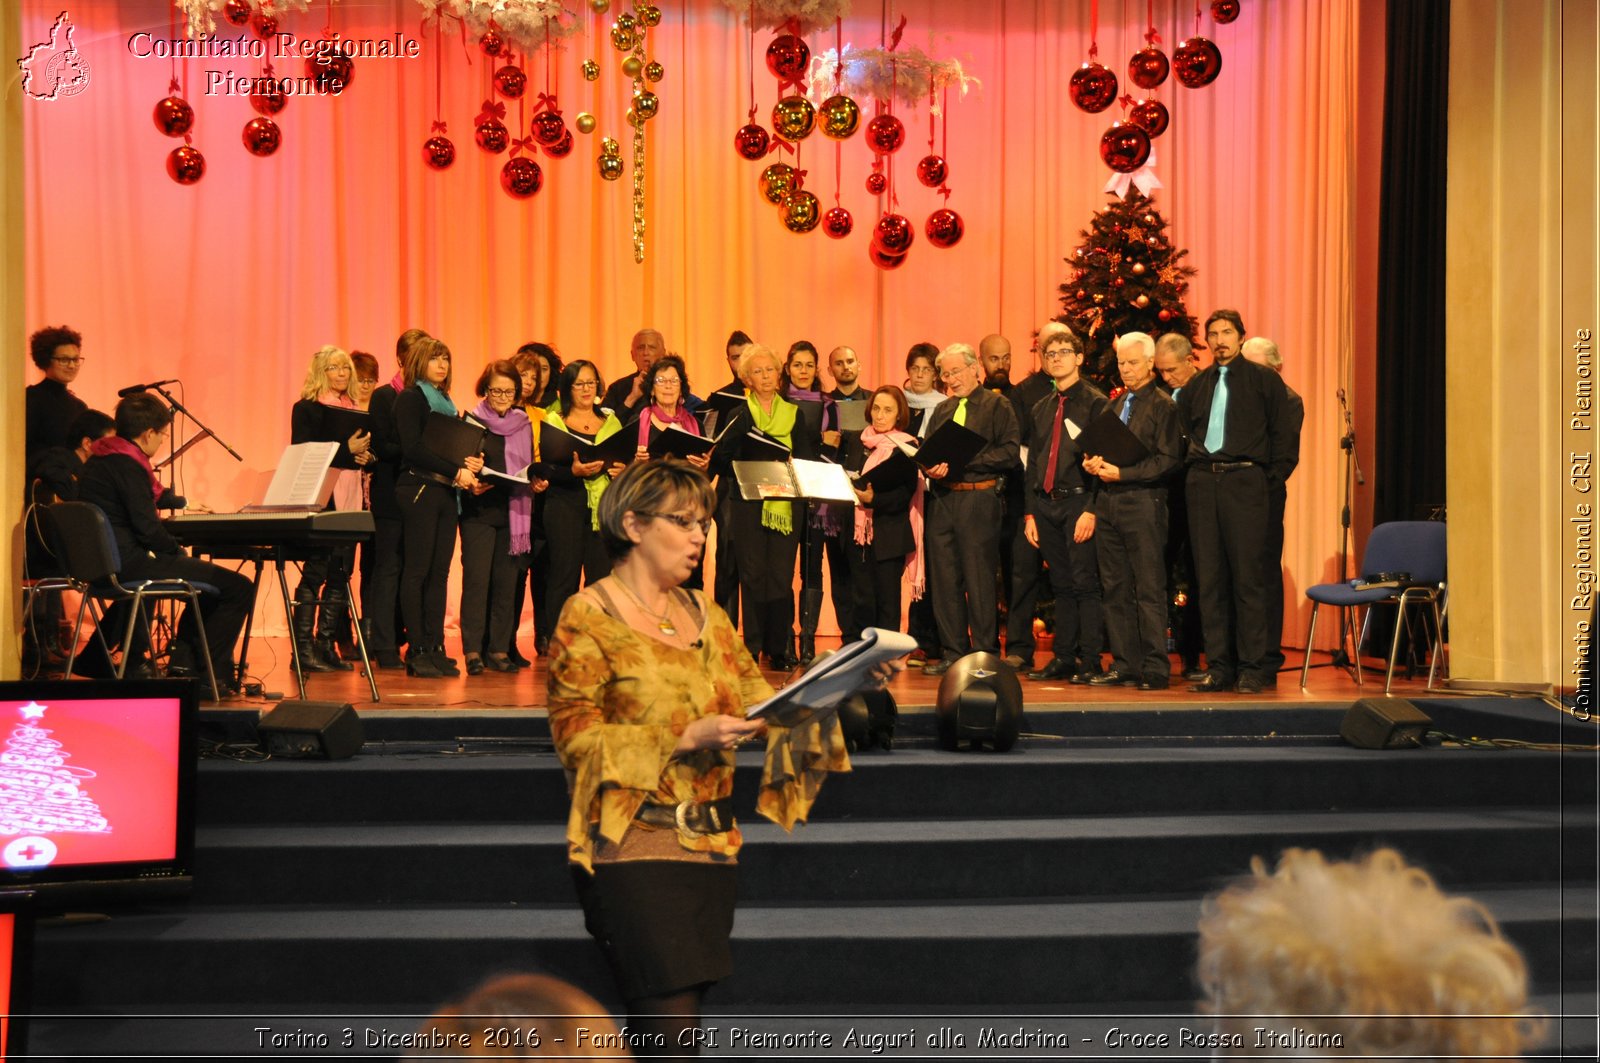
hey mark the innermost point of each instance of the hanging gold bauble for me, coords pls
(646, 103)
(793, 118)
(839, 117)
(654, 71)
(625, 33)
(591, 70)
(777, 183)
(632, 66)
(610, 147)
(584, 122)
(600, 6)
(610, 167)
(650, 15)
(801, 213)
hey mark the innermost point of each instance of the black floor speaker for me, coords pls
(1384, 723)
(325, 730)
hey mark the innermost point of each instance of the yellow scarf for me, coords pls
(779, 424)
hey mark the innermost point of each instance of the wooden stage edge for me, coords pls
(525, 690)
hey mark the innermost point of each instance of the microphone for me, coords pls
(137, 388)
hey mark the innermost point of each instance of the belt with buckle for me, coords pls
(1062, 492)
(1224, 466)
(432, 477)
(976, 485)
(690, 817)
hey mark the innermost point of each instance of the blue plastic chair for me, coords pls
(1415, 547)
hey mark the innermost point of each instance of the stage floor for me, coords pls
(270, 665)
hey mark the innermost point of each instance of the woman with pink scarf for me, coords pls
(666, 385)
(496, 523)
(886, 543)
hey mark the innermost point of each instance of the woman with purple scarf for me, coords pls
(821, 413)
(496, 523)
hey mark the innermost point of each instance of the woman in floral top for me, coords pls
(648, 689)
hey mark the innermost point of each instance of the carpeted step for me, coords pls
(856, 861)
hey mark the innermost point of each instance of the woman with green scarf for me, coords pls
(766, 534)
(573, 498)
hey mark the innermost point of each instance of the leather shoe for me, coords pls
(1015, 660)
(1057, 669)
(387, 659)
(939, 667)
(515, 656)
(474, 664)
(1154, 682)
(1211, 683)
(1083, 677)
(1113, 678)
(499, 663)
(1250, 683)
(1194, 675)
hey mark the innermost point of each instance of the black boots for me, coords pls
(305, 619)
(810, 613)
(333, 622)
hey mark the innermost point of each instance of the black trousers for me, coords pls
(222, 613)
(575, 549)
(1074, 578)
(1131, 526)
(1228, 516)
(530, 582)
(380, 593)
(874, 591)
(488, 577)
(1272, 580)
(428, 523)
(726, 588)
(1020, 573)
(1185, 618)
(963, 539)
(766, 560)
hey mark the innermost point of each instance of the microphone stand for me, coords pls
(204, 432)
(1352, 473)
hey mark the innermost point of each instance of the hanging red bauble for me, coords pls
(877, 183)
(267, 97)
(261, 137)
(787, 57)
(438, 152)
(511, 81)
(548, 128)
(793, 118)
(1224, 11)
(174, 116)
(839, 117)
(894, 234)
(1117, 282)
(751, 142)
(1093, 87)
(491, 42)
(1124, 148)
(1196, 63)
(884, 261)
(186, 165)
(263, 25)
(932, 170)
(1150, 116)
(1082, 295)
(1148, 67)
(885, 134)
(561, 148)
(237, 12)
(521, 177)
(837, 223)
(331, 72)
(492, 136)
(945, 228)
(1164, 315)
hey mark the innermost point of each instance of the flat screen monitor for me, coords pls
(16, 960)
(97, 786)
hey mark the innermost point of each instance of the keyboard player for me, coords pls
(119, 479)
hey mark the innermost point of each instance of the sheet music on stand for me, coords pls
(833, 678)
(304, 478)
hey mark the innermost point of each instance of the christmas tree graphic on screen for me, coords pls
(79, 790)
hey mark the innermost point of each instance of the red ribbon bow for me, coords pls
(438, 126)
(779, 144)
(527, 144)
(491, 109)
(894, 38)
(547, 102)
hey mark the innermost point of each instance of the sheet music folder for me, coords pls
(303, 480)
(953, 443)
(338, 425)
(832, 678)
(454, 439)
(1107, 437)
(898, 468)
(796, 478)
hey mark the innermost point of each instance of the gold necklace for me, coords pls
(663, 619)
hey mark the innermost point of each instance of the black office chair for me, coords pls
(83, 540)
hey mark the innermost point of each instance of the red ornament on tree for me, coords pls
(787, 57)
(1124, 148)
(1164, 315)
(1148, 67)
(877, 183)
(893, 235)
(237, 12)
(491, 42)
(1196, 63)
(548, 128)
(751, 142)
(511, 81)
(261, 137)
(837, 223)
(174, 117)
(186, 165)
(1093, 87)
(884, 261)
(521, 178)
(491, 136)
(885, 134)
(267, 97)
(561, 148)
(1150, 116)
(945, 228)
(932, 171)
(1224, 11)
(438, 152)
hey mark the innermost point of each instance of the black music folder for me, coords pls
(338, 425)
(953, 443)
(674, 442)
(619, 448)
(898, 468)
(1107, 437)
(557, 446)
(852, 415)
(455, 439)
(758, 446)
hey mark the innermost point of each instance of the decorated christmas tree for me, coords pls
(1125, 276)
(40, 793)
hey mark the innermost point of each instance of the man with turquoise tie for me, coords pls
(1236, 415)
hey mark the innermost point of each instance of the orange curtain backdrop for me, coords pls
(344, 236)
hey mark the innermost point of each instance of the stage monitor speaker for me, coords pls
(980, 702)
(327, 730)
(1384, 723)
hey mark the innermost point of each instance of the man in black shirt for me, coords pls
(725, 588)
(1176, 366)
(50, 405)
(1021, 568)
(845, 369)
(1241, 442)
(1264, 352)
(625, 397)
(1060, 518)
